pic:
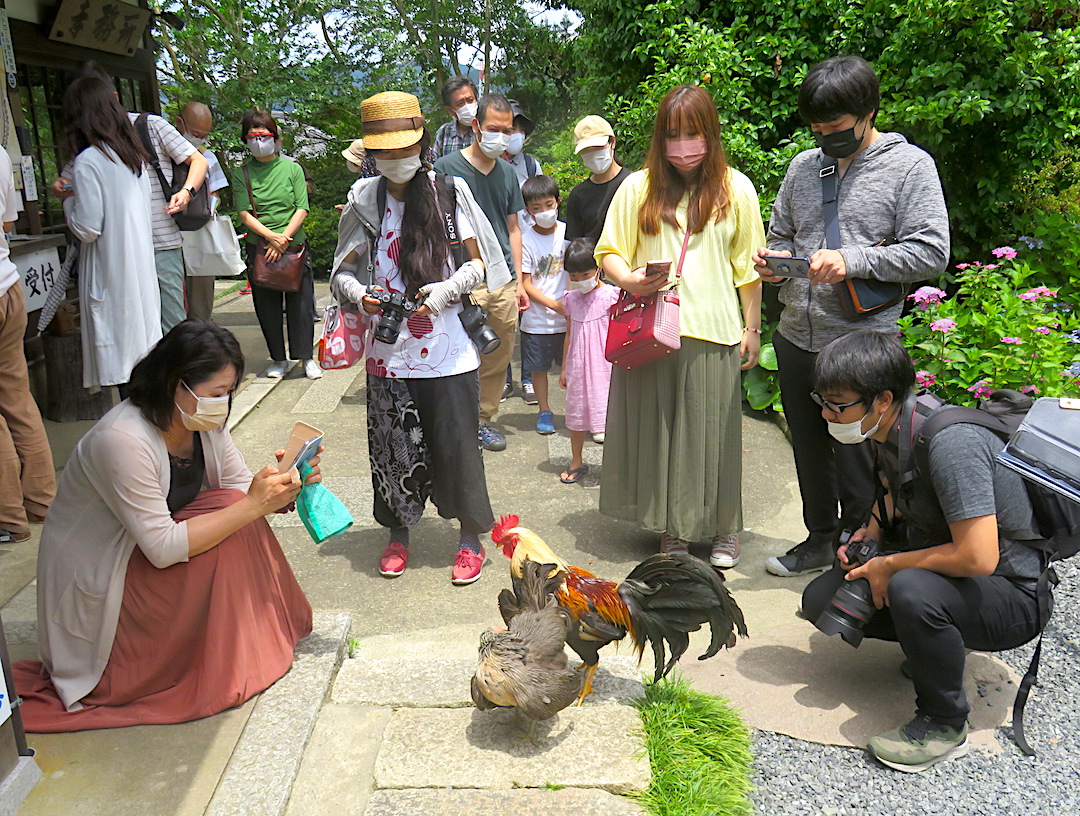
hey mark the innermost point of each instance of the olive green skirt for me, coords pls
(673, 452)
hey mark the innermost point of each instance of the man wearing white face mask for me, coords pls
(459, 99)
(497, 192)
(587, 204)
(525, 166)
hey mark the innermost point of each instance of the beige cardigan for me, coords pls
(111, 497)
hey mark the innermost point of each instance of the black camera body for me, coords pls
(474, 320)
(395, 307)
(852, 605)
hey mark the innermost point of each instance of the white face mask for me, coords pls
(466, 113)
(195, 140)
(353, 168)
(850, 433)
(546, 219)
(517, 143)
(598, 161)
(399, 171)
(210, 412)
(583, 286)
(262, 146)
(493, 145)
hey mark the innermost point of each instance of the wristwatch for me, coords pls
(191, 190)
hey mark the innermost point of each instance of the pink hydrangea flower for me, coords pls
(927, 296)
(982, 389)
(1042, 330)
(1030, 389)
(1038, 292)
(991, 266)
(963, 266)
(1006, 252)
(925, 379)
(943, 325)
(1013, 340)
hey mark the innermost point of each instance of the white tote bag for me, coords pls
(213, 250)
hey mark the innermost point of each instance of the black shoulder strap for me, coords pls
(943, 418)
(380, 197)
(251, 195)
(446, 192)
(142, 127)
(1044, 592)
(830, 208)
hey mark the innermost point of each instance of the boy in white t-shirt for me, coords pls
(543, 324)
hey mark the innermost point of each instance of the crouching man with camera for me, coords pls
(411, 245)
(946, 562)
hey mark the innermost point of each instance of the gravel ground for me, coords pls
(795, 777)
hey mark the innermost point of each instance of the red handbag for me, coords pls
(342, 341)
(644, 328)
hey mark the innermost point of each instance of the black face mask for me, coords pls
(841, 144)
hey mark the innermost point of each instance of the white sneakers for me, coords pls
(277, 369)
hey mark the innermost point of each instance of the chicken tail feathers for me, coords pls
(671, 595)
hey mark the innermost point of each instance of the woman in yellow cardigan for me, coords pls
(673, 454)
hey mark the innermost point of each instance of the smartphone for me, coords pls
(303, 444)
(653, 268)
(788, 267)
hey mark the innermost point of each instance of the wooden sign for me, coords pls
(106, 25)
(38, 271)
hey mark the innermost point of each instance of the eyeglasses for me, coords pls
(835, 407)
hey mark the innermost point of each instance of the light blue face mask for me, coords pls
(262, 146)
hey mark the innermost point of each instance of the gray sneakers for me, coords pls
(919, 744)
(813, 555)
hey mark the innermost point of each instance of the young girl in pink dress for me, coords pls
(586, 374)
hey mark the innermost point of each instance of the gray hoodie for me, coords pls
(889, 195)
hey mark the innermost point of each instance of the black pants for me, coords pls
(449, 409)
(299, 310)
(934, 618)
(831, 475)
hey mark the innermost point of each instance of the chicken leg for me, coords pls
(586, 687)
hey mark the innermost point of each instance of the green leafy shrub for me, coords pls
(761, 384)
(997, 331)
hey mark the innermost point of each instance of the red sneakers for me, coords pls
(394, 560)
(467, 567)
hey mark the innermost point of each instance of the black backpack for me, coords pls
(197, 213)
(1057, 519)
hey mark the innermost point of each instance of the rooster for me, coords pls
(662, 600)
(526, 668)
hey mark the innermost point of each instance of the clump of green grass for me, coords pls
(699, 750)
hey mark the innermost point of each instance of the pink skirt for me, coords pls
(192, 640)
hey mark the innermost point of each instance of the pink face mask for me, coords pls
(686, 154)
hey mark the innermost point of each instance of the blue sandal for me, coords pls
(574, 475)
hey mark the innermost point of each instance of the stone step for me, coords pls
(260, 775)
(413, 682)
(589, 747)
(504, 803)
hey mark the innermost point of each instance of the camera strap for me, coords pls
(446, 194)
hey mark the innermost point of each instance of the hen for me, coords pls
(661, 601)
(526, 667)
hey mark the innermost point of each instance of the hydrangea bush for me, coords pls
(997, 331)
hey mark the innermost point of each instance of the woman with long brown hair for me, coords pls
(673, 454)
(109, 213)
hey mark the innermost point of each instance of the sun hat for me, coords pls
(527, 124)
(354, 152)
(392, 119)
(592, 131)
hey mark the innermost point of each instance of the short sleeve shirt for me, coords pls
(427, 345)
(587, 206)
(542, 258)
(280, 190)
(215, 176)
(497, 193)
(171, 147)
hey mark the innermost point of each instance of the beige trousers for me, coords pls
(200, 296)
(501, 306)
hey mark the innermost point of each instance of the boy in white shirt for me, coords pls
(543, 324)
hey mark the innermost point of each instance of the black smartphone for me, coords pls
(787, 267)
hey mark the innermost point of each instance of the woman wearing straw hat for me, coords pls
(422, 389)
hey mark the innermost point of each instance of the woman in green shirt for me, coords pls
(281, 202)
(673, 453)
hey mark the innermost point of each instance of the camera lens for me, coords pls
(389, 326)
(850, 608)
(485, 339)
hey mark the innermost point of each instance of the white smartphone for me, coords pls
(303, 444)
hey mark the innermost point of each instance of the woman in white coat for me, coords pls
(110, 215)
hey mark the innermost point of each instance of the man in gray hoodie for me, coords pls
(893, 227)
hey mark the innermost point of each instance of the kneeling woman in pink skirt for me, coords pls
(163, 595)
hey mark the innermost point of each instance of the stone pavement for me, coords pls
(392, 730)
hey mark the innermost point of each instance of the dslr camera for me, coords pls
(853, 603)
(474, 319)
(395, 308)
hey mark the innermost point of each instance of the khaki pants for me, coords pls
(200, 296)
(27, 478)
(501, 306)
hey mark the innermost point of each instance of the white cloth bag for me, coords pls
(213, 250)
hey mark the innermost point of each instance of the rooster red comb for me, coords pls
(500, 532)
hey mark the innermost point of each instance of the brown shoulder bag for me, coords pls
(284, 274)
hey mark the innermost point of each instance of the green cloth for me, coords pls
(673, 450)
(322, 513)
(280, 190)
(497, 193)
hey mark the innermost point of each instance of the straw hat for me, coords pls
(391, 120)
(354, 152)
(592, 131)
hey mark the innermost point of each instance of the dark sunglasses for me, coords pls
(835, 407)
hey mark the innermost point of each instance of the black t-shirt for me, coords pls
(185, 477)
(587, 206)
(497, 193)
